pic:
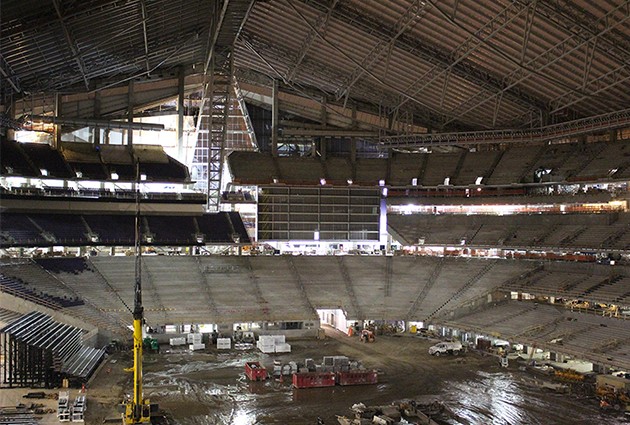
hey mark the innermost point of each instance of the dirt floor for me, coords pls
(211, 388)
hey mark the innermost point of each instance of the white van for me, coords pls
(453, 348)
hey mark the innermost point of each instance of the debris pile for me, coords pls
(400, 412)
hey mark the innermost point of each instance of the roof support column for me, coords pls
(275, 112)
(96, 131)
(180, 114)
(353, 141)
(323, 117)
(58, 112)
(130, 102)
(10, 110)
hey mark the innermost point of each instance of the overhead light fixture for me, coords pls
(322, 181)
(349, 181)
(114, 176)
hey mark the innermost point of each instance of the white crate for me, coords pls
(267, 349)
(266, 340)
(193, 338)
(278, 339)
(193, 347)
(224, 343)
(177, 341)
(282, 348)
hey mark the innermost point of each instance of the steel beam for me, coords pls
(71, 44)
(567, 15)
(529, 20)
(471, 72)
(97, 123)
(275, 117)
(270, 54)
(408, 19)
(541, 62)
(490, 29)
(143, 13)
(332, 132)
(321, 24)
(8, 74)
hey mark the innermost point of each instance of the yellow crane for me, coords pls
(138, 409)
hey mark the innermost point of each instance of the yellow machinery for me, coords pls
(569, 375)
(137, 410)
(613, 392)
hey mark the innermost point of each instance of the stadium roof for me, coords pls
(448, 65)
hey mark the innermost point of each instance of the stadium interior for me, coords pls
(458, 169)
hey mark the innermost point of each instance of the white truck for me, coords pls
(442, 348)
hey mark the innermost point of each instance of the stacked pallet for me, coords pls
(194, 342)
(273, 344)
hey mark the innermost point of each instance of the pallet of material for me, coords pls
(194, 347)
(193, 338)
(177, 341)
(224, 343)
(63, 407)
(282, 348)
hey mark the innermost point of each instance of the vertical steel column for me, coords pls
(275, 112)
(180, 113)
(58, 113)
(130, 102)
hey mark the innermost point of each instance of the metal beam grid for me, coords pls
(99, 39)
(451, 65)
(317, 73)
(458, 61)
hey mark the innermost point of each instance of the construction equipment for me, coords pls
(613, 392)
(137, 410)
(569, 375)
(150, 344)
(367, 336)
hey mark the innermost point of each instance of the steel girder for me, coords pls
(323, 72)
(433, 55)
(320, 27)
(544, 60)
